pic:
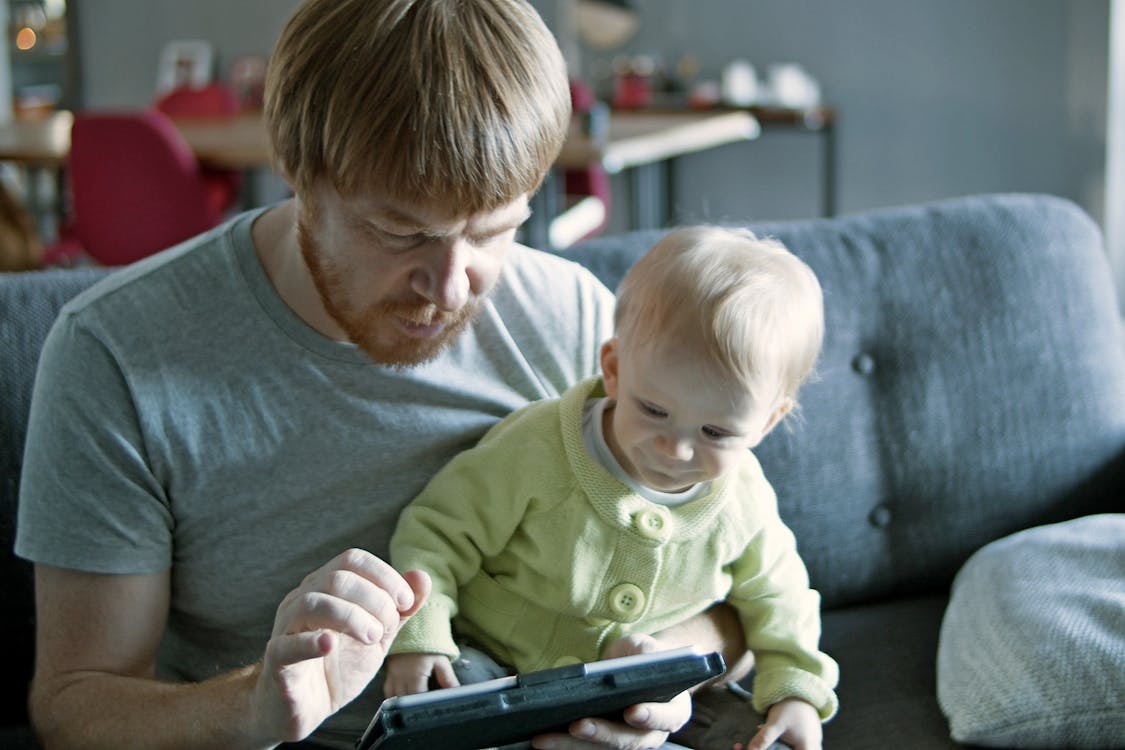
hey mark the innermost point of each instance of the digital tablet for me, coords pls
(512, 709)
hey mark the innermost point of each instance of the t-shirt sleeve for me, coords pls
(88, 500)
(558, 314)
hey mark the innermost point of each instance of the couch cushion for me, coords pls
(18, 738)
(969, 387)
(29, 303)
(1032, 650)
(886, 691)
(886, 686)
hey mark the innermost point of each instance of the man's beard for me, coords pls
(374, 329)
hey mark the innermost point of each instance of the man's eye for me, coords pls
(484, 240)
(402, 240)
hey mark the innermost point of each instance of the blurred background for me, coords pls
(927, 98)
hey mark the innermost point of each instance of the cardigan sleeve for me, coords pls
(780, 614)
(468, 512)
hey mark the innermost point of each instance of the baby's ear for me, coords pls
(609, 367)
(784, 406)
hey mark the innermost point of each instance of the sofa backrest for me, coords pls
(29, 303)
(972, 383)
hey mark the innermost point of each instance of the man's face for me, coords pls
(402, 280)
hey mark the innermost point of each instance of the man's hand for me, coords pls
(407, 674)
(330, 636)
(794, 722)
(647, 725)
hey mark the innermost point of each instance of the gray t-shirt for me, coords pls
(184, 417)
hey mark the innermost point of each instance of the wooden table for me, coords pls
(638, 138)
(644, 142)
(816, 121)
(39, 142)
(634, 139)
(238, 143)
(40, 146)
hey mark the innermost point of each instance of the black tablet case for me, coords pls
(511, 709)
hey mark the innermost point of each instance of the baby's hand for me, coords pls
(410, 673)
(792, 721)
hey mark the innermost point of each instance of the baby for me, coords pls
(634, 502)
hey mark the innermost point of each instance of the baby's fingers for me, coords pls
(767, 735)
(443, 673)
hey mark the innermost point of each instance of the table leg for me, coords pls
(829, 187)
(46, 211)
(545, 205)
(650, 185)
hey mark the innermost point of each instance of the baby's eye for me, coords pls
(714, 433)
(652, 410)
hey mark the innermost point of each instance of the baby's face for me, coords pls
(676, 421)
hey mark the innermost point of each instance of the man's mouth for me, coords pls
(420, 329)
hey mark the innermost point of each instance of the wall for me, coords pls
(936, 98)
(1115, 150)
(121, 40)
(5, 68)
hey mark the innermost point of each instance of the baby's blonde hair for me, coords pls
(463, 102)
(754, 308)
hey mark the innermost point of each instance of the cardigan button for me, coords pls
(627, 601)
(651, 524)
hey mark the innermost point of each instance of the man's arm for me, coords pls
(717, 629)
(95, 681)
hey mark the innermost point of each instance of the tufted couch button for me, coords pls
(863, 363)
(627, 601)
(880, 516)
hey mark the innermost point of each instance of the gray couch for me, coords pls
(972, 385)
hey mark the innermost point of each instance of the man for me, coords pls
(214, 423)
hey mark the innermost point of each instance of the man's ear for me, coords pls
(609, 367)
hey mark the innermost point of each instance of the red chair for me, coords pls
(212, 101)
(136, 188)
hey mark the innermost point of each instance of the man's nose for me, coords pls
(442, 277)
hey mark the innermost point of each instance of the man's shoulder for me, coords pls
(191, 272)
(535, 279)
(538, 265)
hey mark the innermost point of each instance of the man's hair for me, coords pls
(460, 101)
(751, 306)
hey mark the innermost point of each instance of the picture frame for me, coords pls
(185, 62)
